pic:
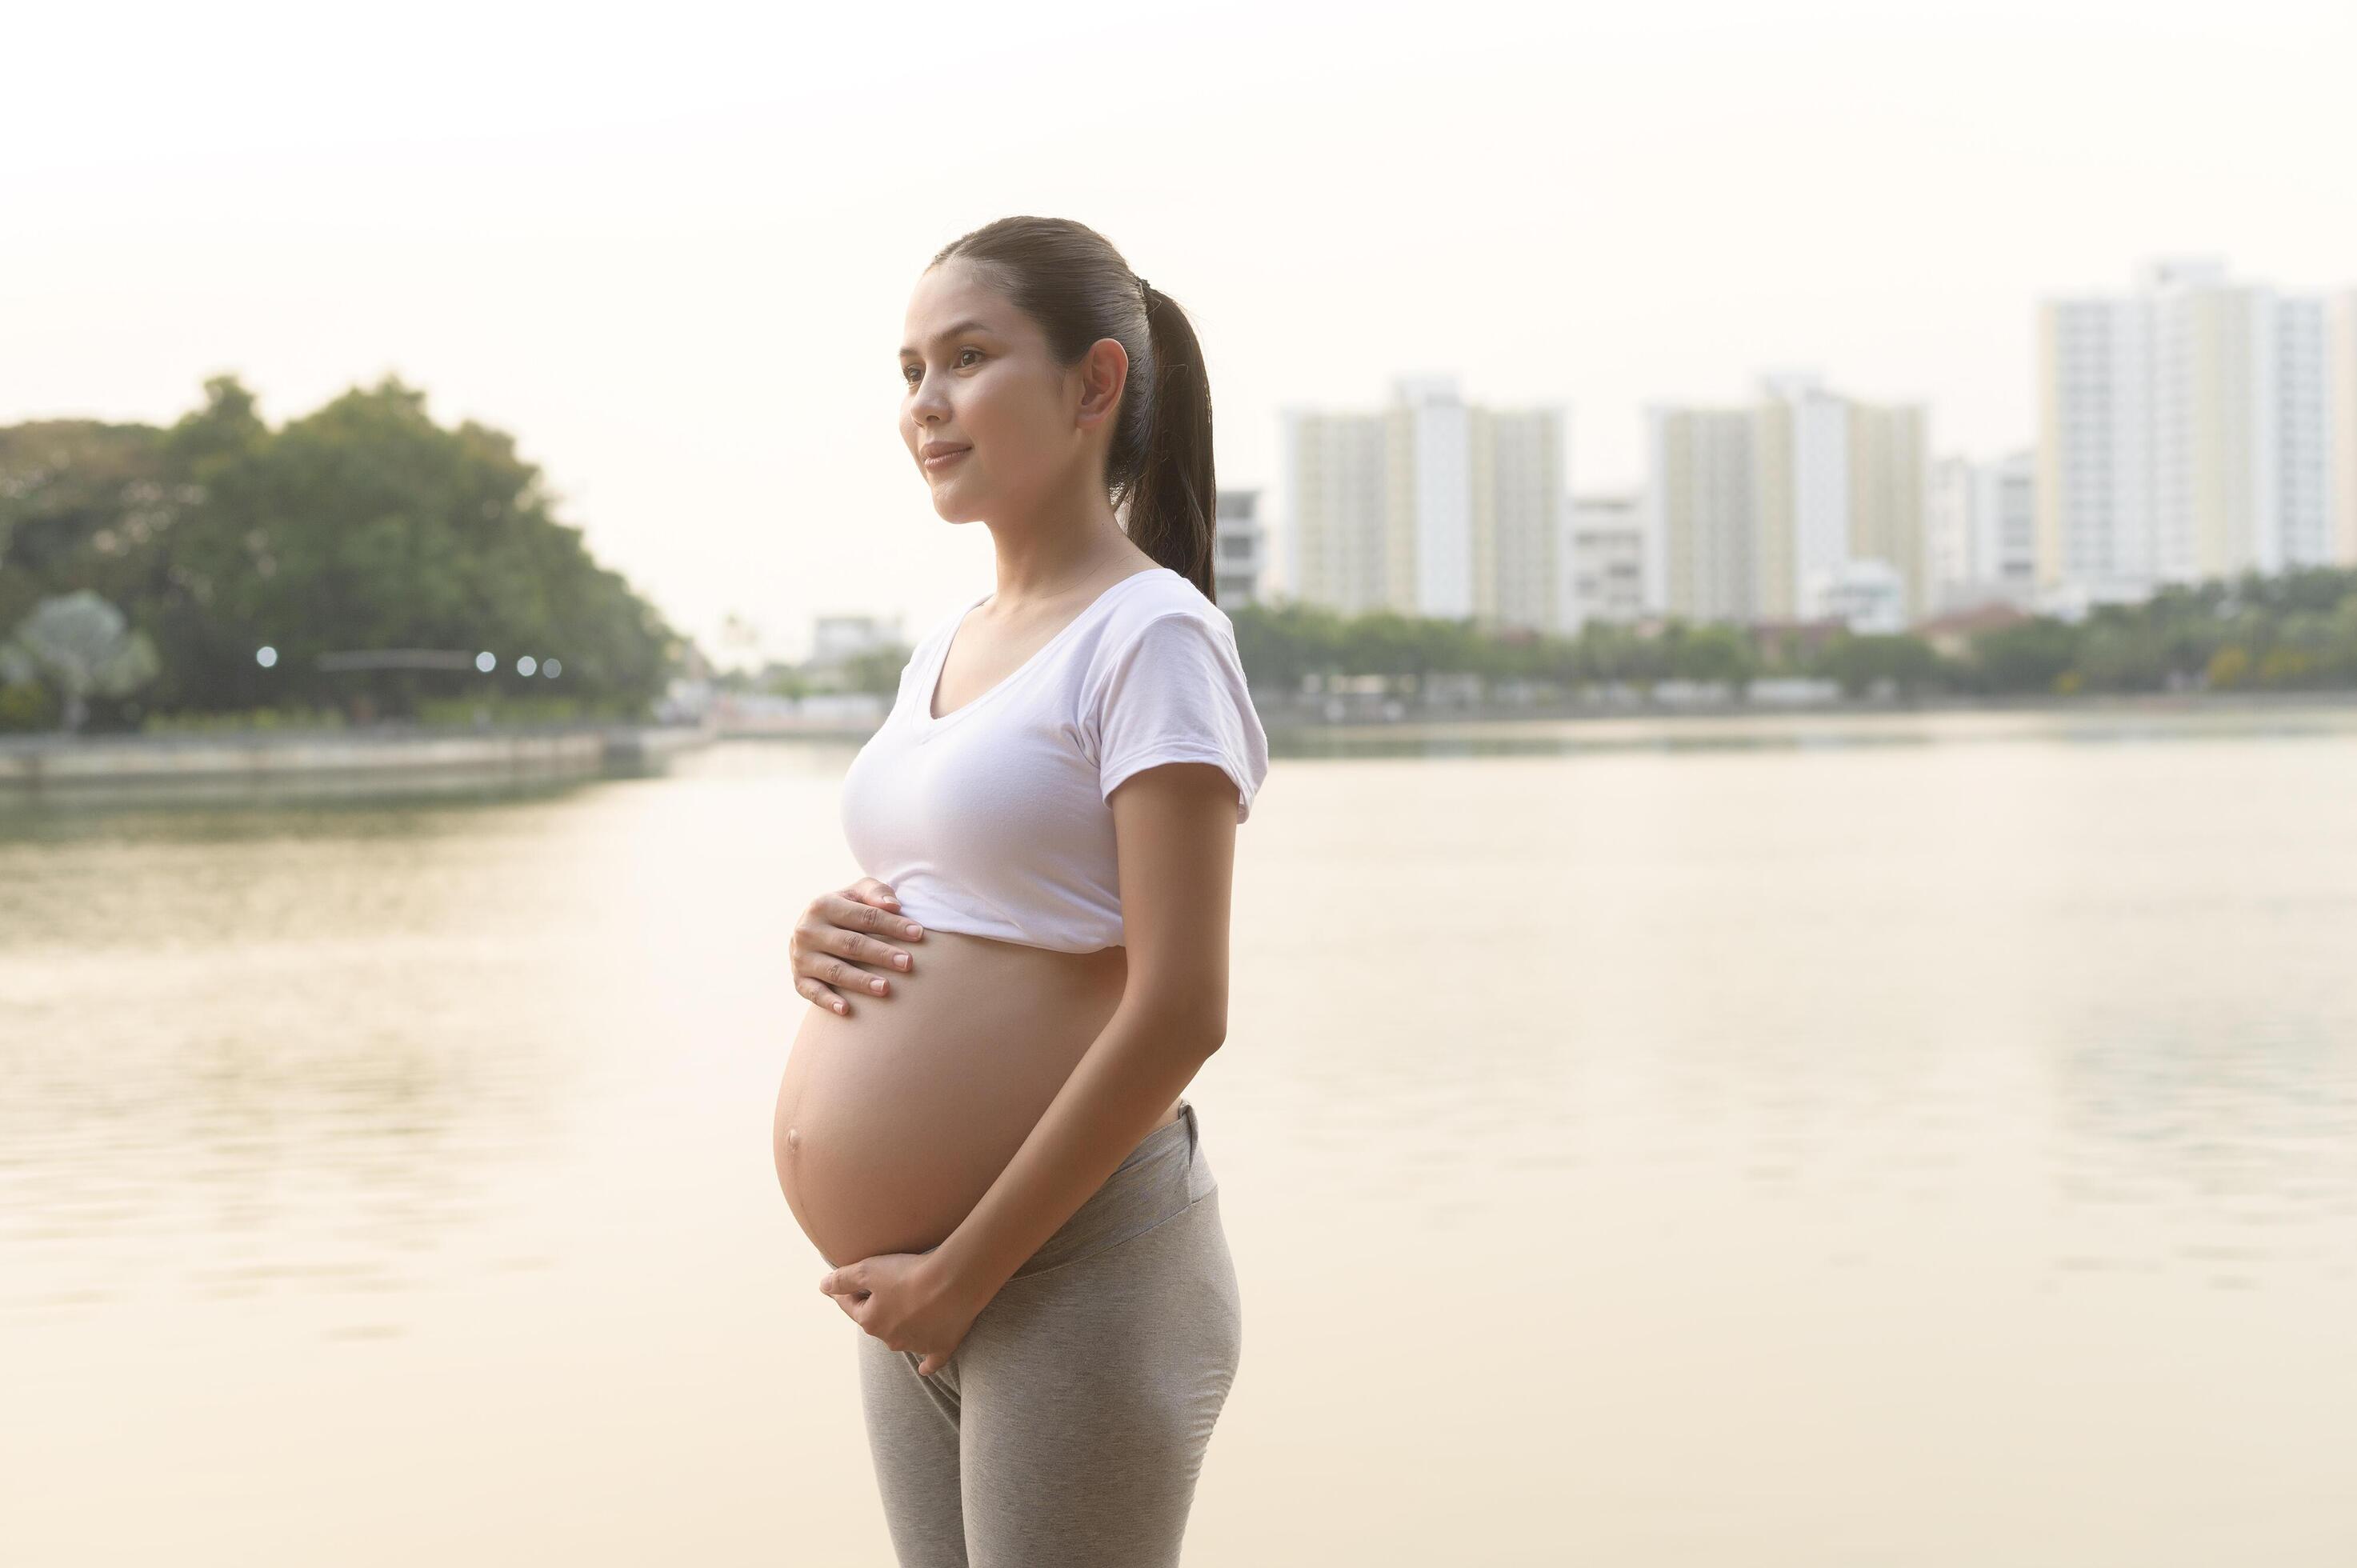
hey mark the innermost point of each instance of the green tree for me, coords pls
(362, 526)
(2229, 667)
(2025, 657)
(1716, 652)
(1859, 661)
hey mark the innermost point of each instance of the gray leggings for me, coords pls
(1067, 1430)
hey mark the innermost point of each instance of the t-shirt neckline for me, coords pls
(927, 725)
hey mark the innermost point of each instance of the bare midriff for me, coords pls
(892, 1122)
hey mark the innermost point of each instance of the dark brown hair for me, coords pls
(1068, 277)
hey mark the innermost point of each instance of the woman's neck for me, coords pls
(1063, 552)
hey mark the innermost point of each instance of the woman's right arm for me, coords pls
(839, 929)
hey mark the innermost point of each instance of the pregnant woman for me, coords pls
(993, 1150)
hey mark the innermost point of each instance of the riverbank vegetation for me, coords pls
(2295, 631)
(373, 553)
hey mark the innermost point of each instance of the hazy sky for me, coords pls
(670, 250)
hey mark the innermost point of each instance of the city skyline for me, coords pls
(2195, 426)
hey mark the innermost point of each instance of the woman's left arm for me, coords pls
(1175, 829)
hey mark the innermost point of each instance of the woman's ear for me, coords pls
(1104, 371)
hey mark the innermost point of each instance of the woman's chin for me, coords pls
(951, 506)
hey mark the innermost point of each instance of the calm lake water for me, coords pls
(1794, 1140)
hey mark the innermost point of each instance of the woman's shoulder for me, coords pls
(1155, 593)
(1152, 608)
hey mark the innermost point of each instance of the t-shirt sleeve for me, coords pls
(1176, 693)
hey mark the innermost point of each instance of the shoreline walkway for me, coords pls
(45, 761)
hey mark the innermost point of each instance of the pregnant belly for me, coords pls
(892, 1122)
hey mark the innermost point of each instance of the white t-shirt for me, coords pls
(995, 819)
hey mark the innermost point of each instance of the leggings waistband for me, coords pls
(1165, 1174)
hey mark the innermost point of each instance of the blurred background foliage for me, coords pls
(364, 525)
(2295, 630)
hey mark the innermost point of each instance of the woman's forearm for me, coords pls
(1143, 1057)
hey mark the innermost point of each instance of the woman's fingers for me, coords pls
(824, 995)
(878, 920)
(836, 934)
(834, 971)
(856, 931)
(869, 890)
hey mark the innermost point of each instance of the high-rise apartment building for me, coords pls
(1603, 558)
(1348, 527)
(2342, 350)
(1429, 506)
(2182, 433)
(1889, 486)
(1701, 513)
(1239, 549)
(1982, 544)
(1799, 505)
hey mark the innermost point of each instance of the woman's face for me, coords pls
(993, 424)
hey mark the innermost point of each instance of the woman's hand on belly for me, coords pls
(909, 1302)
(849, 925)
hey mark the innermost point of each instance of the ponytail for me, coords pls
(1172, 503)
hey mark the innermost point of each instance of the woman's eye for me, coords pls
(964, 352)
(909, 373)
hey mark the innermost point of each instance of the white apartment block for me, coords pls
(2182, 433)
(1800, 505)
(1430, 506)
(1239, 550)
(1603, 559)
(1982, 525)
(1889, 485)
(835, 638)
(1349, 527)
(2342, 353)
(1519, 471)
(1701, 513)
(1865, 595)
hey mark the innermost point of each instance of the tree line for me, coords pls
(2291, 631)
(145, 569)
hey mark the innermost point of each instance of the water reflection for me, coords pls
(253, 1046)
(2129, 724)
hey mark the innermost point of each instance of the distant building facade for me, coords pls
(2342, 352)
(1429, 506)
(2183, 434)
(1799, 505)
(1864, 594)
(1603, 558)
(1239, 550)
(1702, 524)
(1983, 532)
(835, 638)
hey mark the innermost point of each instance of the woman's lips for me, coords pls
(943, 459)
